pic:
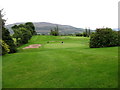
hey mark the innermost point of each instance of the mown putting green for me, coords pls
(71, 64)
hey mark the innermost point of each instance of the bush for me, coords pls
(23, 33)
(4, 48)
(26, 35)
(104, 37)
(78, 34)
(85, 34)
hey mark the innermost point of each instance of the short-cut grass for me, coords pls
(71, 64)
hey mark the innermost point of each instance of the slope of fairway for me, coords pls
(71, 64)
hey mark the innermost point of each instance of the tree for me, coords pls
(7, 38)
(87, 33)
(26, 35)
(30, 26)
(55, 31)
(51, 32)
(22, 33)
(17, 34)
(104, 37)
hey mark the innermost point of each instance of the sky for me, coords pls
(78, 13)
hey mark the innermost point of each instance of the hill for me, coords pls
(45, 27)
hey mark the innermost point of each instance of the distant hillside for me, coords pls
(45, 27)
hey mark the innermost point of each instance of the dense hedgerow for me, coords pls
(104, 37)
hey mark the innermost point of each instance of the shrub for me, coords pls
(23, 33)
(78, 34)
(4, 48)
(104, 37)
(85, 34)
(26, 35)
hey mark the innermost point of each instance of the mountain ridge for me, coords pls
(45, 27)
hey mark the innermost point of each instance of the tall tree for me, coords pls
(89, 32)
(31, 27)
(7, 38)
(26, 35)
(55, 31)
(22, 33)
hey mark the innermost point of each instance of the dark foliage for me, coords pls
(87, 33)
(30, 26)
(23, 32)
(79, 34)
(8, 40)
(104, 37)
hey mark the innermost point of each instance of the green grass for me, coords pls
(55, 65)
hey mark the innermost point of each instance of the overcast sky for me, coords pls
(78, 13)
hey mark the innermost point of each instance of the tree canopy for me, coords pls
(23, 32)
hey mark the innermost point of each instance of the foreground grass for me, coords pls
(55, 65)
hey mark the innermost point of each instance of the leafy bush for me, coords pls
(79, 34)
(25, 36)
(85, 34)
(4, 48)
(23, 33)
(104, 37)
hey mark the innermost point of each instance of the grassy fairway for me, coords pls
(55, 65)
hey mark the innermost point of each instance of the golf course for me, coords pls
(71, 64)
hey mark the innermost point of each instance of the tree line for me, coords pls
(86, 33)
(102, 37)
(22, 34)
(55, 32)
